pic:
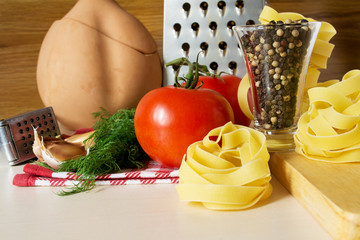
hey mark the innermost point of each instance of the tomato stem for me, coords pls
(195, 70)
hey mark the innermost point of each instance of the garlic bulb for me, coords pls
(54, 151)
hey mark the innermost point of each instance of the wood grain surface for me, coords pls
(330, 192)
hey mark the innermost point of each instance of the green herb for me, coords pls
(42, 164)
(115, 147)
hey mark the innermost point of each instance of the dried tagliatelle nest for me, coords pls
(228, 170)
(330, 130)
(54, 151)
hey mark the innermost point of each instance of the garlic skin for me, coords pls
(54, 151)
(37, 146)
(79, 139)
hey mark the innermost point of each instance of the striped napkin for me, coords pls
(154, 173)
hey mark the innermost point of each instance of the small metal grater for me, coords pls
(17, 134)
(194, 25)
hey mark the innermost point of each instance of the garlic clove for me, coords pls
(37, 146)
(53, 151)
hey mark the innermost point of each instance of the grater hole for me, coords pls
(49, 114)
(52, 121)
(31, 120)
(213, 26)
(25, 145)
(222, 45)
(39, 125)
(27, 129)
(19, 124)
(48, 129)
(27, 151)
(54, 128)
(214, 66)
(175, 68)
(186, 6)
(221, 5)
(45, 123)
(204, 6)
(37, 118)
(23, 138)
(29, 136)
(42, 132)
(185, 47)
(231, 24)
(250, 22)
(232, 65)
(239, 4)
(25, 122)
(204, 46)
(195, 26)
(21, 131)
(43, 116)
(177, 27)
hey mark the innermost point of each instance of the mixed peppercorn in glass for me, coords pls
(275, 56)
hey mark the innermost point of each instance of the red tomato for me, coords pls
(229, 89)
(168, 119)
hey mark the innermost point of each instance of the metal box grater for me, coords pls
(194, 25)
(17, 134)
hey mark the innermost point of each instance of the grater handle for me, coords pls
(7, 145)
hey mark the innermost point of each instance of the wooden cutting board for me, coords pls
(330, 192)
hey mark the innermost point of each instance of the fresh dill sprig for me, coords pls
(115, 147)
(42, 164)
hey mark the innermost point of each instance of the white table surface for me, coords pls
(144, 212)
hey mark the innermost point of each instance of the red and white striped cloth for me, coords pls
(154, 173)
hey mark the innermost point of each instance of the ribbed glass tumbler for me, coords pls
(277, 56)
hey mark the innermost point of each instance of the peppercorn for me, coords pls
(266, 46)
(275, 63)
(295, 33)
(280, 32)
(276, 44)
(273, 120)
(286, 98)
